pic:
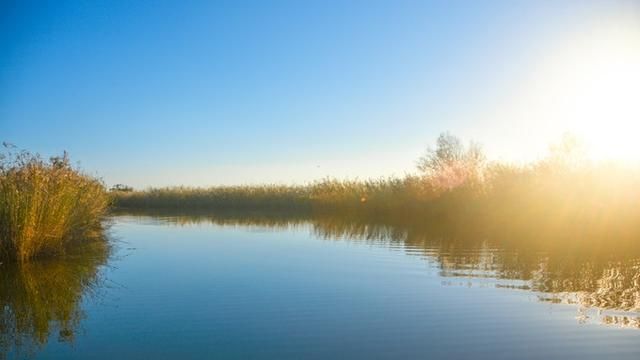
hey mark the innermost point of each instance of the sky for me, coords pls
(197, 93)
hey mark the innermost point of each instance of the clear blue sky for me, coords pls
(205, 92)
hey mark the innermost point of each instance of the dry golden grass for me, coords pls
(561, 194)
(46, 206)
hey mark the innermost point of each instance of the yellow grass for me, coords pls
(46, 206)
(563, 194)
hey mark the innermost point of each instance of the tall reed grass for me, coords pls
(456, 185)
(46, 206)
(263, 197)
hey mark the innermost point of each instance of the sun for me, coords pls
(604, 105)
(590, 86)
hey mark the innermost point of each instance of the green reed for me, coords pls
(46, 206)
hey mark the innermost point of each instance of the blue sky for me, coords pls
(205, 92)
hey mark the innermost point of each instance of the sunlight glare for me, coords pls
(592, 89)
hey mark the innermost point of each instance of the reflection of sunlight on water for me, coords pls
(610, 288)
(618, 319)
(632, 322)
(603, 314)
(599, 307)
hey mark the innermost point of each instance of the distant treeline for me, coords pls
(456, 185)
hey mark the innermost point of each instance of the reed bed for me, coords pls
(46, 206)
(216, 198)
(563, 193)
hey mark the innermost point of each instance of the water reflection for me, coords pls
(592, 273)
(601, 278)
(43, 298)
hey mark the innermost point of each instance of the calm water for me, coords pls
(271, 288)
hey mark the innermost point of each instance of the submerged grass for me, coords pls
(46, 206)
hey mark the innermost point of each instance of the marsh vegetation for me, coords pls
(46, 207)
(562, 194)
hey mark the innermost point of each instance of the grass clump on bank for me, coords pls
(46, 206)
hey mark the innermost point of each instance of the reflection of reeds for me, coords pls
(592, 275)
(601, 284)
(40, 297)
(621, 321)
(46, 205)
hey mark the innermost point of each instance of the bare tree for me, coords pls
(452, 164)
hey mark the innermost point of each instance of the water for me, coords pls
(194, 287)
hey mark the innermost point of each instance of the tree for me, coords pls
(451, 164)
